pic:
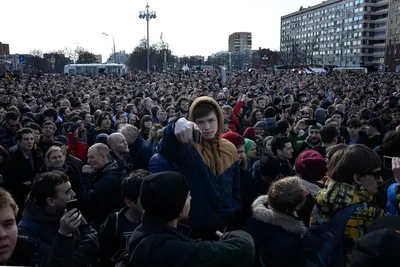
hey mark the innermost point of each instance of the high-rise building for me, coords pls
(240, 42)
(393, 39)
(4, 49)
(336, 32)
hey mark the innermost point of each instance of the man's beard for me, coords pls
(182, 110)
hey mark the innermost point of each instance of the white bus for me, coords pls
(107, 68)
(351, 69)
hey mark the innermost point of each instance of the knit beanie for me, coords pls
(163, 195)
(311, 166)
(270, 166)
(234, 138)
(261, 124)
(250, 133)
(247, 145)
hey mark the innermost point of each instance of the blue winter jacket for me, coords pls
(212, 172)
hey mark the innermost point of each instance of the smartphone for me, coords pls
(72, 204)
(310, 122)
(197, 136)
(387, 162)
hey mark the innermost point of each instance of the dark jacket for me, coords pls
(125, 165)
(155, 244)
(75, 161)
(25, 253)
(304, 214)
(20, 170)
(54, 249)
(100, 193)
(277, 236)
(7, 138)
(114, 235)
(213, 176)
(140, 153)
(375, 141)
(362, 140)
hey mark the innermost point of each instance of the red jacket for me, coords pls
(76, 147)
(234, 118)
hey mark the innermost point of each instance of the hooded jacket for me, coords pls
(154, 244)
(340, 195)
(212, 172)
(100, 193)
(41, 228)
(277, 236)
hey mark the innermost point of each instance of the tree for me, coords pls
(36, 53)
(138, 58)
(86, 57)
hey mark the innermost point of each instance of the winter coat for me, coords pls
(19, 171)
(363, 139)
(140, 153)
(77, 148)
(114, 235)
(100, 193)
(301, 145)
(25, 253)
(7, 138)
(41, 228)
(155, 244)
(212, 172)
(340, 195)
(277, 236)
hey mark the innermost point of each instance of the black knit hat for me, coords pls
(163, 195)
(270, 166)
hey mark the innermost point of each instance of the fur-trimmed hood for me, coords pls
(264, 214)
(313, 188)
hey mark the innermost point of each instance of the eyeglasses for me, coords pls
(377, 174)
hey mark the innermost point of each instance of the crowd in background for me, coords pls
(193, 169)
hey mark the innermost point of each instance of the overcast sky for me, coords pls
(190, 27)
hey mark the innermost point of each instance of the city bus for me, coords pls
(352, 69)
(107, 68)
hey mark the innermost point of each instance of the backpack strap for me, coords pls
(338, 222)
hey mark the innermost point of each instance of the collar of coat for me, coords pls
(264, 214)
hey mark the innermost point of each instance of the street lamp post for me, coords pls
(115, 53)
(147, 15)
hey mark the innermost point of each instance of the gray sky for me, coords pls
(190, 27)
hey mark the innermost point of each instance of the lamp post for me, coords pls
(115, 54)
(147, 15)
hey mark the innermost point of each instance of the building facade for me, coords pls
(240, 42)
(336, 32)
(4, 49)
(393, 40)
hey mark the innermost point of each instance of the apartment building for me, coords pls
(393, 39)
(240, 42)
(336, 32)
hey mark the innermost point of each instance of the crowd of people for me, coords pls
(257, 168)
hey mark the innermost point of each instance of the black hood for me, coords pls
(33, 212)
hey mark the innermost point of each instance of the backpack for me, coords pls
(324, 243)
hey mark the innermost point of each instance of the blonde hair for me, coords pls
(52, 149)
(286, 195)
(6, 199)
